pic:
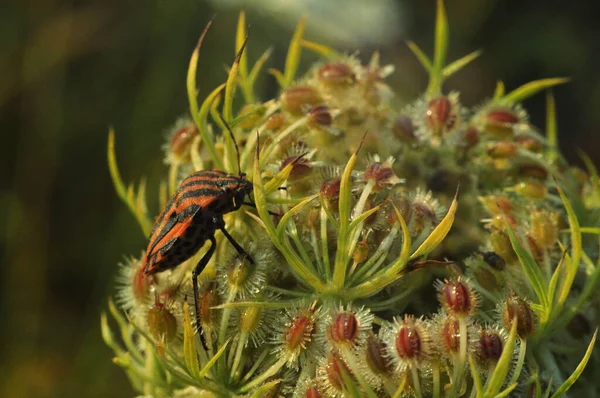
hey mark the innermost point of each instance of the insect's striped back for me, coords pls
(188, 218)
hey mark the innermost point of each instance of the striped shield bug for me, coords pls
(191, 217)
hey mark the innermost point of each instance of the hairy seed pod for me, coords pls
(361, 252)
(500, 122)
(501, 244)
(531, 189)
(301, 168)
(496, 204)
(162, 324)
(404, 129)
(544, 228)
(529, 143)
(330, 190)
(519, 308)
(470, 138)
(206, 302)
(335, 370)
(181, 141)
(440, 116)
(344, 328)
(275, 122)
(489, 347)
(313, 392)
(336, 74)
(457, 297)
(450, 334)
(320, 116)
(250, 319)
(253, 118)
(299, 331)
(239, 271)
(411, 341)
(376, 356)
(502, 149)
(299, 99)
(140, 286)
(534, 171)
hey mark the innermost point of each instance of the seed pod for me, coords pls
(313, 392)
(376, 356)
(361, 252)
(450, 334)
(457, 297)
(440, 116)
(320, 116)
(301, 168)
(404, 207)
(382, 174)
(408, 342)
(534, 171)
(161, 322)
(208, 316)
(403, 129)
(500, 122)
(502, 149)
(250, 319)
(489, 347)
(299, 99)
(239, 271)
(531, 189)
(529, 143)
(299, 332)
(470, 138)
(335, 370)
(485, 278)
(344, 328)
(181, 140)
(275, 122)
(501, 244)
(330, 190)
(496, 204)
(336, 74)
(544, 228)
(519, 308)
(140, 286)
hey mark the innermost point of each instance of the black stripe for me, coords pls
(163, 214)
(209, 173)
(198, 193)
(195, 182)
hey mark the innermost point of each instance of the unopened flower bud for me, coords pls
(489, 347)
(440, 116)
(544, 228)
(381, 174)
(208, 299)
(501, 244)
(252, 120)
(275, 122)
(529, 143)
(181, 140)
(450, 333)
(376, 356)
(361, 252)
(330, 190)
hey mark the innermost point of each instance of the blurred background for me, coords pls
(71, 69)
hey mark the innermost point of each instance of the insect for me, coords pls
(191, 217)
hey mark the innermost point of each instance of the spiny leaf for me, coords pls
(363, 217)
(576, 249)
(321, 49)
(551, 127)
(292, 212)
(531, 88)
(421, 56)
(294, 51)
(201, 121)
(192, 90)
(439, 233)
(278, 76)
(240, 38)
(531, 269)
(499, 91)
(440, 49)
(578, 371)
(281, 176)
(231, 84)
(190, 353)
(258, 66)
(460, 63)
(214, 359)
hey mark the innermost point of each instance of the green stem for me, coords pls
(268, 373)
(436, 379)
(234, 375)
(325, 244)
(351, 361)
(520, 361)
(416, 383)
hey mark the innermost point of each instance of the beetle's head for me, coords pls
(236, 190)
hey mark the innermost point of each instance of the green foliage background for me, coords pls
(68, 69)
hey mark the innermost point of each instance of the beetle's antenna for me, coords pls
(237, 150)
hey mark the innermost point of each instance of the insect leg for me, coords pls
(197, 270)
(237, 246)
